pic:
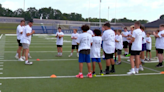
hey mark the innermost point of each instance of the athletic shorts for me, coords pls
(160, 51)
(59, 45)
(148, 50)
(75, 46)
(115, 50)
(125, 44)
(119, 52)
(109, 56)
(144, 47)
(84, 58)
(25, 45)
(98, 60)
(19, 44)
(134, 53)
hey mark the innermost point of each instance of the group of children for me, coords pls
(89, 44)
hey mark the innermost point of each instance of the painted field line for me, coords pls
(0, 83)
(1, 68)
(1, 62)
(1, 36)
(47, 77)
(1, 72)
(1, 65)
(145, 67)
(35, 51)
(53, 60)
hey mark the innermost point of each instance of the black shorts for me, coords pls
(160, 51)
(19, 44)
(125, 44)
(75, 46)
(59, 45)
(148, 50)
(108, 56)
(115, 50)
(134, 53)
(119, 52)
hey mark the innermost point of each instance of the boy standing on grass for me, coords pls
(148, 47)
(59, 42)
(108, 38)
(96, 50)
(84, 40)
(136, 49)
(160, 45)
(119, 46)
(125, 40)
(74, 37)
(143, 45)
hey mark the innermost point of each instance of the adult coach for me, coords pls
(19, 32)
(136, 48)
(108, 38)
(125, 34)
(26, 40)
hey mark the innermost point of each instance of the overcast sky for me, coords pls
(132, 9)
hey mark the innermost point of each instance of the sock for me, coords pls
(107, 68)
(89, 73)
(142, 60)
(26, 61)
(133, 69)
(28, 54)
(80, 73)
(112, 67)
(140, 65)
(100, 71)
(71, 54)
(126, 52)
(137, 69)
(160, 63)
(93, 72)
(60, 53)
(16, 54)
(115, 58)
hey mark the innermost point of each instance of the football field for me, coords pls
(15, 76)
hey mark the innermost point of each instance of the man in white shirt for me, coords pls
(26, 40)
(129, 37)
(90, 32)
(84, 40)
(142, 55)
(125, 40)
(108, 38)
(19, 32)
(148, 47)
(136, 48)
(74, 37)
(160, 44)
(59, 41)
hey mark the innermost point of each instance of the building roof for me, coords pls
(154, 24)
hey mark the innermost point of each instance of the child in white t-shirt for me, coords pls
(84, 40)
(96, 50)
(59, 41)
(148, 47)
(74, 37)
(119, 46)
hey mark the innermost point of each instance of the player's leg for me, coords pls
(115, 55)
(100, 65)
(73, 47)
(81, 61)
(61, 51)
(93, 66)
(119, 52)
(77, 47)
(26, 47)
(58, 51)
(132, 71)
(126, 48)
(17, 54)
(107, 57)
(150, 56)
(88, 61)
(160, 57)
(112, 63)
(29, 56)
(146, 55)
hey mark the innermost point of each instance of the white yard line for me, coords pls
(43, 60)
(0, 83)
(36, 51)
(1, 72)
(1, 65)
(1, 68)
(1, 36)
(47, 77)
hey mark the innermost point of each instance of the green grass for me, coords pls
(64, 66)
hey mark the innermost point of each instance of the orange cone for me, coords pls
(37, 59)
(53, 76)
(162, 72)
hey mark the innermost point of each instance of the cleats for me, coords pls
(79, 76)
(89, 75)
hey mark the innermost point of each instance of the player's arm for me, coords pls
(133, 37)
(156, 35)
(28, 34)
(162, 35)
(116, 40)
(124, 35)
(20, 30)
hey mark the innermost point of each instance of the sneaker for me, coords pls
(112, 71)
(118, 63)
(29, 56)
(79, 76)
(89, 75)
(20, 59)
(127, 55)
(77, 55)
(149, 59)
(141, 68)
(94, 75)
(16, 56)
(28, 63)
(106, 72)
(146, 59)
(131, 72)
(159, 66)
(23, 57)
(70, 56)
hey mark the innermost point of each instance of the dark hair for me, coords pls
(115, 30)
(22, 21)
(125, 28)
(59, 27)
(85, 28)
(120, 31)
(149, 33)
(97, 32)
(142, 27)
(138, 23)
(107, 25)
(30, 21)
(162, 25)
(157, 30)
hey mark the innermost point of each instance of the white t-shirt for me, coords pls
(96, 47)
(59, 41)
(74, 40)
(84, 41)
(26, 39)
(129, 33)
(19, 30)
(119, 45)
(126, 34)
(90, 32)
(148, 45)
(143, 37)
(137, 44)
(108, 38)
(115, 41)
(160, 41)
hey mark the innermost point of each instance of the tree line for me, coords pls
(50, 13)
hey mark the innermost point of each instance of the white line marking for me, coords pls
(0, 83)
(145, 67)
(1, 68)
(43, 60)
(1, 62)
(46, 77)
(1, 72)
(1, 65)
(36, 51)
(1, 36)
